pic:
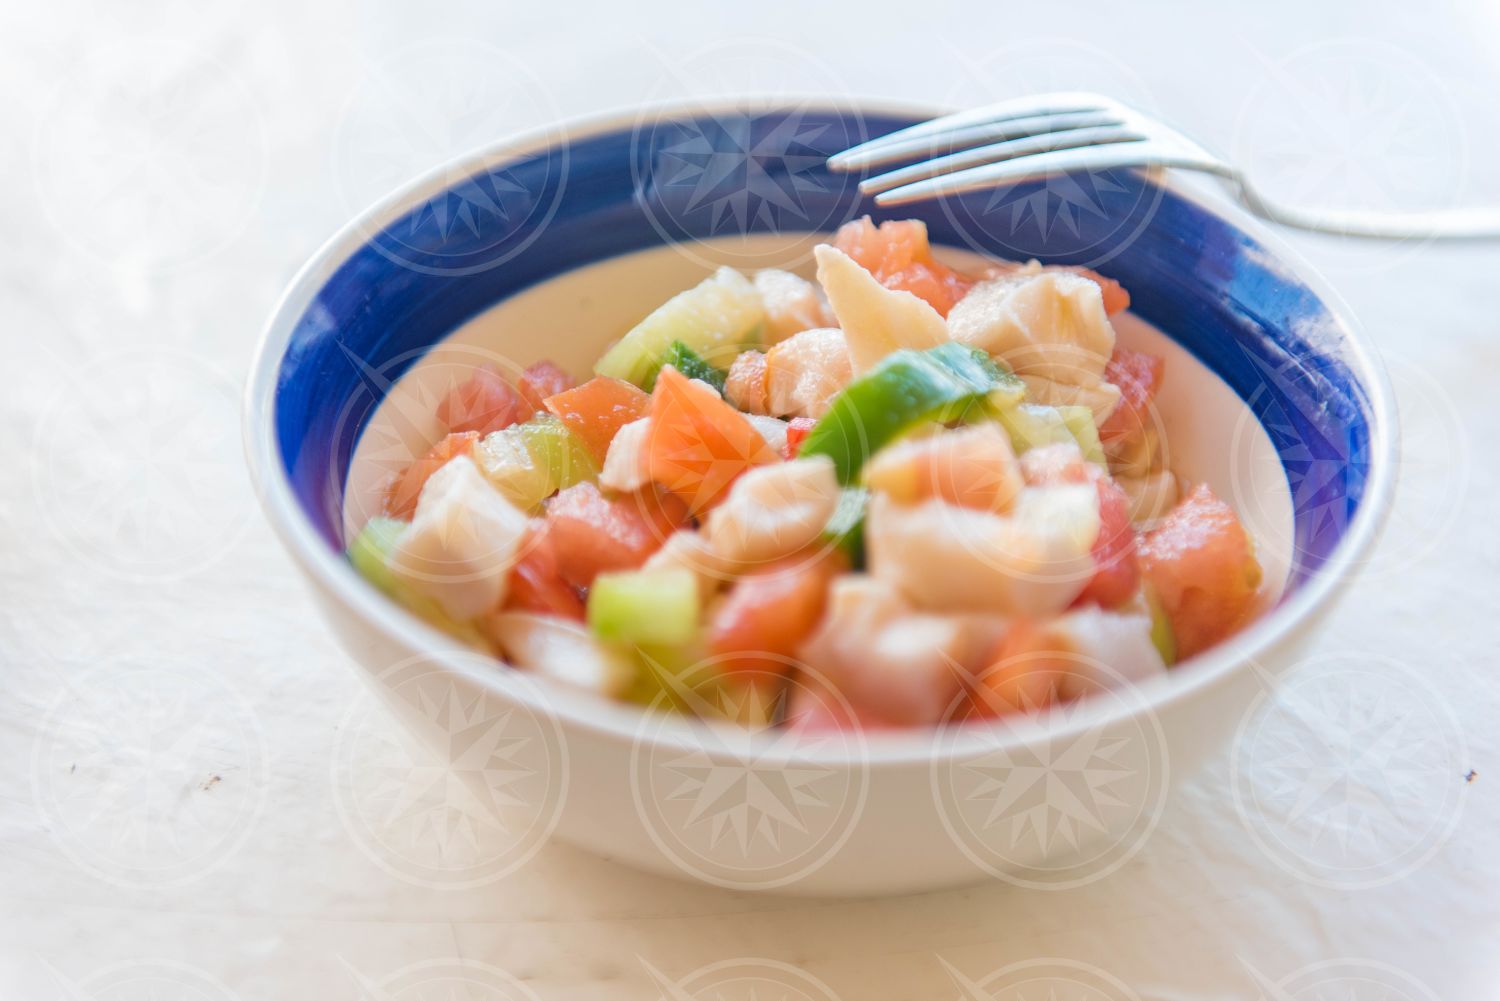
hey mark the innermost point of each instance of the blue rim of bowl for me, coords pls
(622, 721)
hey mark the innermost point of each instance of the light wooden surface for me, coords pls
(176, 723)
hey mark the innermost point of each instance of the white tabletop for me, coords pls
(175, 718)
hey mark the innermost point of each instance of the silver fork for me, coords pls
(1046, 134)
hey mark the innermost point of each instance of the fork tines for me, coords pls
(953, 149)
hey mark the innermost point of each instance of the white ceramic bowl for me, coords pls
(852, 813)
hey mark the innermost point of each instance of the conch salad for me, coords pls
(933, 496)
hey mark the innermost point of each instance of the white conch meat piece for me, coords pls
(463, 539)
(625, 462)
(806, 371)
(1101, 398)
(1109, 649)
(686, 549)
(972, 467)
(792, 304)
(890, 660)
(773, 511)
(876, 320)
(1051, 325)
(561, 649)
(1033, 562)
(771, 429)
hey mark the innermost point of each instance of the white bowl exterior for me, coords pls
(900, 841)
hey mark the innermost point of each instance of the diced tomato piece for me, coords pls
(937, 283)
(697, 445)
(797, 429)
(745, 385)
(536, 584)
(1138, 375)
(664, 512)
(1117, 572)
(401, 496)
(485, 402)
(591, 534)
(876, 248)
(899, 256)
(767, 614)
(540, 381)
(597, 409)
(1025, 670)
(1202, 566)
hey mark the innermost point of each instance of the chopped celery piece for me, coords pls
(1080, 424)
(906, 388)
(369, 552)
(669, 677)
(504, 459)
(369, 549)
(559, 450)
(645, 606)
(1031, 425)
(846, 526)
(716, 319)
(684, 679)
(687, 361)
(530, 462)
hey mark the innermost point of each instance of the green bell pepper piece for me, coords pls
(846, 526)
(1080, 424)
(691, 364)
(906, 388)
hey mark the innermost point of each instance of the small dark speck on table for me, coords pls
(1469, 778)
(213, 780)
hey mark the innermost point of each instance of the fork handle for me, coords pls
(1444, 224)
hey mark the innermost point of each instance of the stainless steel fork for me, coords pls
(1047, 134)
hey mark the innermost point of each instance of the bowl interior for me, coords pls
(451, 248)
(572, 318)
